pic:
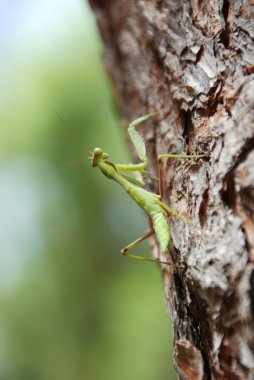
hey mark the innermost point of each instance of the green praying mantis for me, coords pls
(149, 202)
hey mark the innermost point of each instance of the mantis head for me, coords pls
(98, 155)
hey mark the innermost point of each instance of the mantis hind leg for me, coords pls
(125, 250)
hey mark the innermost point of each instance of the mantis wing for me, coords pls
(161, 229)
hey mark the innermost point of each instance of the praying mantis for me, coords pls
(149, 202)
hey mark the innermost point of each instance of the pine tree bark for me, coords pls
(194, 62)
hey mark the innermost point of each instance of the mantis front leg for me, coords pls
(139, 144)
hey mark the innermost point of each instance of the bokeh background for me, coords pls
(71, 307)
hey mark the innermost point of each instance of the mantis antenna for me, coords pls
(75, 135)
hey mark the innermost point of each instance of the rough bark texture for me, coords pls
(194, 61)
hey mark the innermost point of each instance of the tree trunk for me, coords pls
(194, 62)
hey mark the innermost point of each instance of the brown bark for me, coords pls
(194, 62)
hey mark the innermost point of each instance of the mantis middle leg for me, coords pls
(168, 209)
(160, 170)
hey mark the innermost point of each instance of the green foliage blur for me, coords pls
(71, 307)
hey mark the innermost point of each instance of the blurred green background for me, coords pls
(71, 307)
